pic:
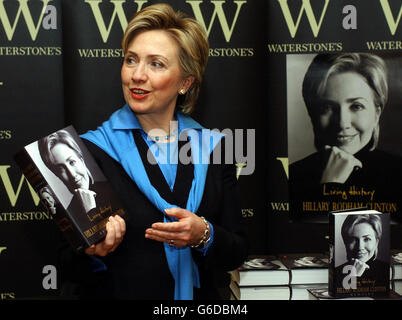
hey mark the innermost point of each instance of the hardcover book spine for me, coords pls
(64, 221)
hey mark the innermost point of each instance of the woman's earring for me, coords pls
(182, 91)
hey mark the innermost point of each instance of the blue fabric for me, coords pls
(115, 138)
(169, 151)
(169, 171)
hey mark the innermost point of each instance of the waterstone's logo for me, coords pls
(316, 18)
(218, 14)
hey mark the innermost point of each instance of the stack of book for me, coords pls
(396, 271)
(296, 277)
(283, 277)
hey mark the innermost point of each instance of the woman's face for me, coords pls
(362, 242)
(48, 199)
(151, 75)
(70, 167)
(347, 115)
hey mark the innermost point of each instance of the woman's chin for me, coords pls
(350, 149)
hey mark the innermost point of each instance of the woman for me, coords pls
(62, 155)
(361, 235)
(345, 95)
(47, 197)
(183, 229)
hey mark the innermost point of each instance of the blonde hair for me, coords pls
(46, 144)
(190, 37)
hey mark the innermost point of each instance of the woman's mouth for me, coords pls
(360, 254)
(78, 182)
(139, 94)
(344, 139)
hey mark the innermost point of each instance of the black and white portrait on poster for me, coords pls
(349, 155)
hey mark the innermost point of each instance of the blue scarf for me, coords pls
(115, 137)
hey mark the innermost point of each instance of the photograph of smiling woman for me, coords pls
(344, 96)
(63, 156)
(362, 242)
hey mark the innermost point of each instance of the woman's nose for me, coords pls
(345, 118)
(361, 244)
(139, 73)
(70, 172)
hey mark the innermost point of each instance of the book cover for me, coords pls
(261, 270)
(359, 253)
(71, 186)
(306, 268)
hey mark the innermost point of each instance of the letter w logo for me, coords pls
(118, 11)
(306, 7)
(24, 10)
(393, 25)
(218, 12)
(12, 195)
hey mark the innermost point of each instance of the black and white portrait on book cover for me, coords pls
(74, 179)
(361, 254)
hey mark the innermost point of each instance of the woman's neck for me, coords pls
(157, 125)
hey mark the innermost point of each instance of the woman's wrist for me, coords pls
(206, 237)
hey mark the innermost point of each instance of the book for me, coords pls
(396, 265)
(323, 294)
(306, 268)
(261, 270)
(300, 291)
(396, 285)
(260, 292)
(70, 185)
(359, 249)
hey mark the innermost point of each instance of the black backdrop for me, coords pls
(60, 64)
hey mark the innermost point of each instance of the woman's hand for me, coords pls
(339, 166)
(188, 230)
(359, 267)
(86, 198)
(115, 230)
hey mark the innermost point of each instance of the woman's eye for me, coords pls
(130, 60)
(367, 239)
(357, 107)
(156, 64)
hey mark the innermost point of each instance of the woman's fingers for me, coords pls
(189, 228)
(91, 250)
(178, 213)
(115, 230)
(339, 166)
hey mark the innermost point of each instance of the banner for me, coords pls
(82, 85)
(31, 99)
(300, 194)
